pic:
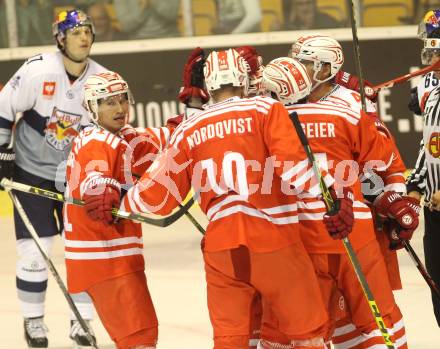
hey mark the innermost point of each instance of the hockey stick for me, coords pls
(331, 208)
(431, 283)
(193, 220)
(357, 53)
(406, 77)
(158, 222)
(51, 266)
(187, 214)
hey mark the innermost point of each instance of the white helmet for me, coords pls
(104, 85)
(287, 78)
(319, 49)
(226, 68)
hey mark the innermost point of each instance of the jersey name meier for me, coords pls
(219, 129)
(319, 129)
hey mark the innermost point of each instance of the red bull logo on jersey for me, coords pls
(434, 144)
(62, 128)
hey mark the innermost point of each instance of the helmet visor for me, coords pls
(428, 54)
(431, 49)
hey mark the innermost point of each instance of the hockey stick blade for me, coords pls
(330, 204)
(407, 77)
(158, 222)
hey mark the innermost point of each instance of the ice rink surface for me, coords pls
(176, 280)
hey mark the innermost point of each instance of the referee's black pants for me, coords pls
(431, 245)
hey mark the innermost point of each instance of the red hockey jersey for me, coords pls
(348, 142)
(242, 157)
(394, 179)
(94, 251)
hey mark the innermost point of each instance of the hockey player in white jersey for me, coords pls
(48, 91)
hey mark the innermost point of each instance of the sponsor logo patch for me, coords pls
(407, 219)
(62, 128)
(49, 88)
(434, 144)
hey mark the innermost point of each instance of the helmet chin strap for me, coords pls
(94, 117)
(317, 67)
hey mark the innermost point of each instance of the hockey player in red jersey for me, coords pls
(194, 95)
(323, 58)
(343, 136)
(252, 231)
(103, 256)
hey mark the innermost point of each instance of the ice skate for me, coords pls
(79, 337)
(35, 333)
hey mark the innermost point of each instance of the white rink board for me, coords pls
(176, 279)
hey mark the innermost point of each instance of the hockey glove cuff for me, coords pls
(352, 83)
(7, 160)
(404, 209)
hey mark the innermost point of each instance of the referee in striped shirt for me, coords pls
(425, 181)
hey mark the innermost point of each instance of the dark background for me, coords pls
(155, 78)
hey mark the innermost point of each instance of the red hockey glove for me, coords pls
(250, 54)
(174, 121)
(404, 213)
(101, 196)
(352, 82)
(394, 232)
(127, 133)
(340, 222)
(193, 79)
(255, 62)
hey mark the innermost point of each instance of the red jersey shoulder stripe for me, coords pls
(317, 109)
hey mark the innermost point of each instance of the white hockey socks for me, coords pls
(32, 276)
(84, 304)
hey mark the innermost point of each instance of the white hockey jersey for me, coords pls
(53, 112)
(348, 98)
